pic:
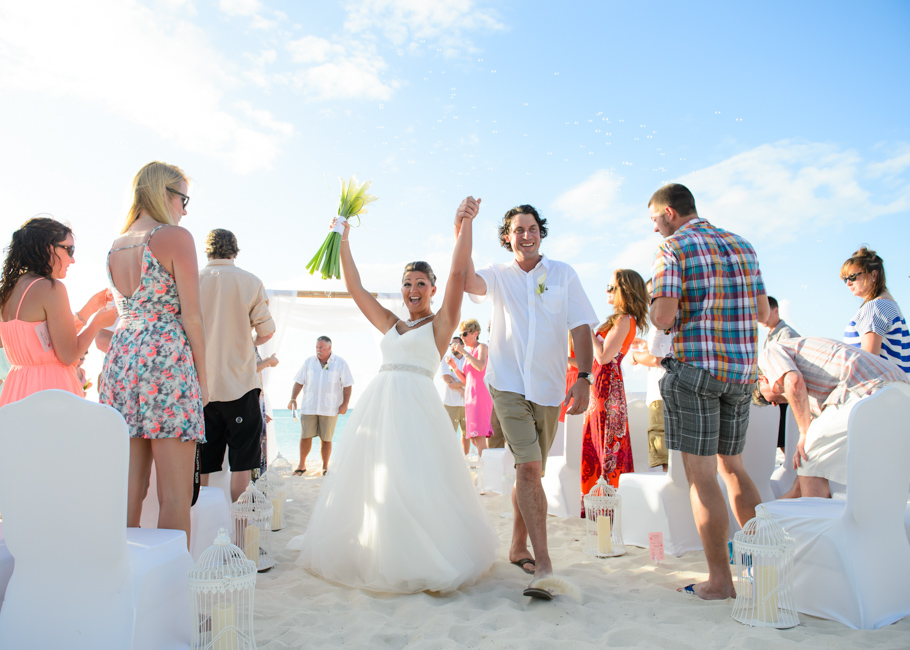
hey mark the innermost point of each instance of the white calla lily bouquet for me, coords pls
(354, 200)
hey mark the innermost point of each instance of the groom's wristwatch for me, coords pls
(587, 376)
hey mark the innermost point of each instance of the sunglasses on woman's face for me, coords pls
(852, 277)
(611, 288)
(70, 250)
(183, 197)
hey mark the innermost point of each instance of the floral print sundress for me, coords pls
(148, 373)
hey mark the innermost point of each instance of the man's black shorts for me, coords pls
(237, 424)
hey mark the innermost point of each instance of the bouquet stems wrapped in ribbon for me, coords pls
(354, 200)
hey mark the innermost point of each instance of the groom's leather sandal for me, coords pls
(537, 592)
(522, 562)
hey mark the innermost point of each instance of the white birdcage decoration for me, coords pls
(281, 466)
(251, 517)
(222, 585)
(276, 491)
(475, 464)
(508, 483)
(763, 552)
(603, 511)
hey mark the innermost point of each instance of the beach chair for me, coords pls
(852, 557)
(82, 579)
(210, 512)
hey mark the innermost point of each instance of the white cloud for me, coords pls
(311, 49)
(165, 76)
(778, 189)
(419, 24)
(595, 199)
(353, 77)
(239, 7)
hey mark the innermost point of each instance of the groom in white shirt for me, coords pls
(535, 301)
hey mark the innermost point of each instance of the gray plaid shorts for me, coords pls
(703, 415)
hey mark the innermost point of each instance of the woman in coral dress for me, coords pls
(42, 338)
(478, 405)
(606, 449)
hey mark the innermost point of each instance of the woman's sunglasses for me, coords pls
(70, 250)
(611, 288)
(852, 277)
(182, 196)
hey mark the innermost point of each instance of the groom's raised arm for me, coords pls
(473, 283)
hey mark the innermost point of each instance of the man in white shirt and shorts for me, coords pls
(536, 300)
(327, 381)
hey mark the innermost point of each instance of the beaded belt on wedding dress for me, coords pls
(406, 367)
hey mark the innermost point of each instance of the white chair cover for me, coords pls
(659, 502)
(784, 475)
(758, 456)
(77, 583)
(637, 409)
(6, 565)
(210, 512)
(852, 558)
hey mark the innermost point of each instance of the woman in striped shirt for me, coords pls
(879, 326)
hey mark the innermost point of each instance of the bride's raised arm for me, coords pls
(381, 318)
(449, 314)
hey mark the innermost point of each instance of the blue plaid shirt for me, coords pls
(714, 274)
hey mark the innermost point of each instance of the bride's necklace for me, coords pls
(412, 323)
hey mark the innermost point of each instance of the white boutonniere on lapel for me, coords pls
(541, 284)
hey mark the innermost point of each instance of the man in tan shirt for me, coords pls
(234, 306)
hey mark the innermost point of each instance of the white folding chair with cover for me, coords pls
(81, 578)
(757, 457)
(659, 502)
(784, 475)
(852, 558)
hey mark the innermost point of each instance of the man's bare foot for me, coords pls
(701, 590)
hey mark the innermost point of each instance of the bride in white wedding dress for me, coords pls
(397, 512)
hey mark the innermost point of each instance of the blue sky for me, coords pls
(787, 120)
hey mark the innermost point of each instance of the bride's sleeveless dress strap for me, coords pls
(406, 367)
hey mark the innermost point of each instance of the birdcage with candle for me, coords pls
(275, 489)
(251, 517)
(222, 585)
(763, 552)
(281, 466)
(603, 507)
(475, 464)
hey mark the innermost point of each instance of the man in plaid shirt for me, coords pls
(709, 292)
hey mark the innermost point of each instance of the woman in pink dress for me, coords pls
(42, 338)
(478, 405)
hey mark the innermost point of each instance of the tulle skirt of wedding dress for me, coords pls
(397, 512)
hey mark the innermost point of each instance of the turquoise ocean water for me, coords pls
(287, 433)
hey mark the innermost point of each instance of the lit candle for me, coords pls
(766, 582)
(276, 513)
(604, 541)
(224, 627)
(251, 543)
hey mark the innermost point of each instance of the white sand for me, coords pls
(625, 602)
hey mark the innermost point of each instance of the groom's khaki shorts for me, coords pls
(528, 428)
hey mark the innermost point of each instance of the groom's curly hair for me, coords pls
(506, 228)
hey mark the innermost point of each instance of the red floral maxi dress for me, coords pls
(149, 375)
(605, 447)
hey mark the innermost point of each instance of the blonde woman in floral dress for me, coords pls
(154, 372)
